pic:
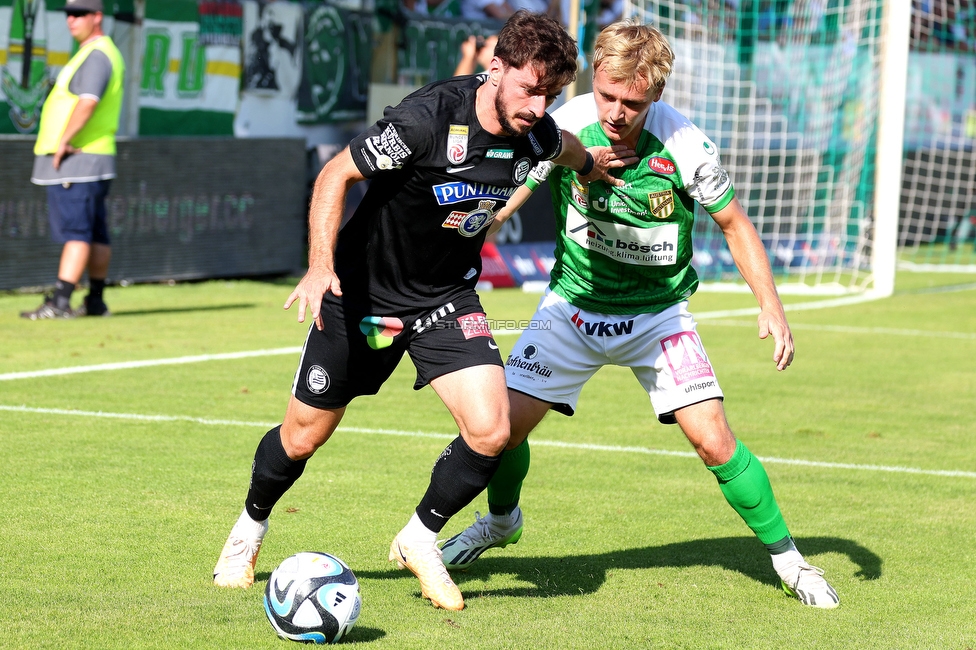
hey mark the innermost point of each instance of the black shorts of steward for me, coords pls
(358, 350)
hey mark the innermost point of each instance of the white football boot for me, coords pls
(463, 549)
(806, 583)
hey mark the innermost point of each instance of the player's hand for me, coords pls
(773, 321)
(607, 158)
(310, 292)
(64, 150)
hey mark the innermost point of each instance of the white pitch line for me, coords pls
(867, 296)
(445, 436)
(70, 370)
(848, 329)
(702, 316)
(124, 365)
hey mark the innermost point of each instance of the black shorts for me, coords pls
(357, 350)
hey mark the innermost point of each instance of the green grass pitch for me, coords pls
(119, 485)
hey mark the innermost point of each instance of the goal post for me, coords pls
(891, 131)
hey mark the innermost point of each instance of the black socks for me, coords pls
(95, 289)
(62, 294)
(272, 473)
(459, 475)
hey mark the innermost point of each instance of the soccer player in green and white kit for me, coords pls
(619, 295)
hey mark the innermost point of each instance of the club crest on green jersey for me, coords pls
(661, 203)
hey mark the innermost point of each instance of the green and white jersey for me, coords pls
(628, 250)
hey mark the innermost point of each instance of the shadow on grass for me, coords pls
(361, 634)
(181, 310)
(575, 574)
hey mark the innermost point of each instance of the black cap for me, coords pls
(83, 5)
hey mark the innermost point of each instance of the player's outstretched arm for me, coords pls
(324, 218)
(607, 158)
(753, 263)
(595, 163)
(518, 199)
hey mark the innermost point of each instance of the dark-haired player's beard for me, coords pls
(511, 128)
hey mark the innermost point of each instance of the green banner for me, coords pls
(24, 79)
(187, 88)
(335, 79)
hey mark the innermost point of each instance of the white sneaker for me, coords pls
(806, 582)
(424, 560)
(463, 549)
(235, 566)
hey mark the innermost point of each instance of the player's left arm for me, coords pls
(324, 220)
(753, 263)
(595, 163)
(518, 199)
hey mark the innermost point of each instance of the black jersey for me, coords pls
(437, 181)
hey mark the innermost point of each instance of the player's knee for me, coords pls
(300, 442)
(488, 439)
(716, 448)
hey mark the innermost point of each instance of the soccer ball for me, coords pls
(312, 598)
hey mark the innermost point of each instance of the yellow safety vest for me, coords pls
(98, 134)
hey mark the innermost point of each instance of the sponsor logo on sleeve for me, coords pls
(389, 151)
(661, 165)
(709, 148)
(536, 147)
(711, 181)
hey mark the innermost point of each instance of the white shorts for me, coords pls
(563, 346)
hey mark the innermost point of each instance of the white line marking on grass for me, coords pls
(847, 329)
(446, 436)
(124, 365)
(867, 296)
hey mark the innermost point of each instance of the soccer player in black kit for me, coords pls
(400, 277)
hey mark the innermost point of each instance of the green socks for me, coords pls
(742, 480)
(746, 487)
(506, 485)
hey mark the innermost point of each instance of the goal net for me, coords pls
(789, 91)
(937, 229)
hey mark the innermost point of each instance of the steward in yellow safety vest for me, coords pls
(75, 160)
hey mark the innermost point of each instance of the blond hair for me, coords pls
(633, 54)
